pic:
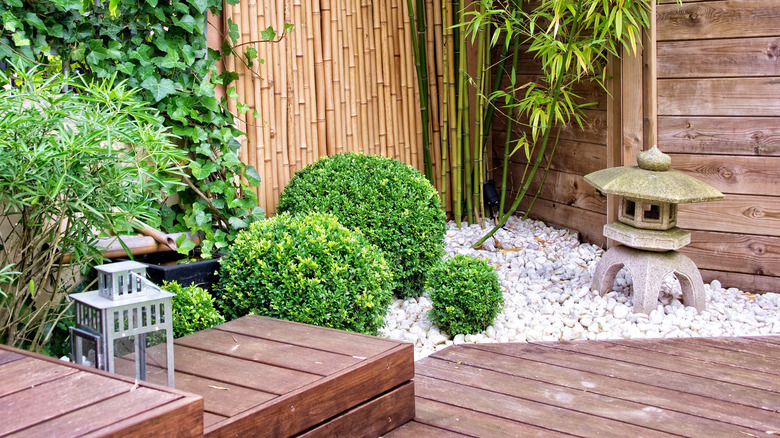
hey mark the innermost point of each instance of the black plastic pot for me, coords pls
(166, 266)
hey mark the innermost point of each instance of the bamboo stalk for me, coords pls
(364, 121)
(291, 138)
(256, 126)
(309, 83)
(402, 53)
(478, 118)
(269, 122)
(412, 119)
(402, 147)
(299, 89)
(463, 107)
(280, 93)
(380, 81)
(339, 98)
(433, 89)
(320, 87)
(353, 89)
(373, 95)
(327, 92)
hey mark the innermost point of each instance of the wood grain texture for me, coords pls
(589, 224)
(413, 429)
(562, 188)
(181, 418)
(571, 157)
(718, 19)
(719, 97)
(743, 57)
(742, 253)
(95, 417)
(373, 418)
(312, 404)
(736, 214)
(29, 372)
(720, 135)
(733, 174)
(559, 377)
(745, 282)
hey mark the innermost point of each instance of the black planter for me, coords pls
(166, 266)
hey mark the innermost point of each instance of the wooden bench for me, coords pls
(265, 377)
(46, 397)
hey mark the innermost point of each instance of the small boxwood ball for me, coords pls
(465, 295)
(391, 203)
(193, 309)
(309, 269)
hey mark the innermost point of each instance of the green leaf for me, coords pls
(160, 88)
(252, 176)
(268, 34)
(233, 31)
(237, 223)
(15, 3)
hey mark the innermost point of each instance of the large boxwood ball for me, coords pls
(394, 206)
(465, 295)
(309, 269)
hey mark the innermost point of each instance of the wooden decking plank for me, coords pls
(210, 419)
(44, 402)
(373, 418)
(178, 419)
(455, 419)
(413, 429)
(9, 356)
(95, 416)
(651, 354)
(742, 345)
(617, 367)
(28, 372)
(699, 350)
(269, 352)
(220, 398)
(321, 338)
(329, 396)
(527, 411)
(579, 400)
(240, 372)
(669, 399)
(767, 339)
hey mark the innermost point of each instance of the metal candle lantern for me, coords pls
(646, 226)
(125, 305)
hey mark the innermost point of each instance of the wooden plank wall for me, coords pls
(718, 65)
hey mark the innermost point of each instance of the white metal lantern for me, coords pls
(125, 305)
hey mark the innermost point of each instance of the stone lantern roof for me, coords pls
(653, 180)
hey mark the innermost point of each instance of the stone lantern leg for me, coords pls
(647, 229)
(648, 270)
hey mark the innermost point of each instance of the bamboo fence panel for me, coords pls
(342, 80)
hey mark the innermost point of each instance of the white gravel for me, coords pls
(545, 276)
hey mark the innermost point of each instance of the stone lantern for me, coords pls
(126, 308)
(646, 228)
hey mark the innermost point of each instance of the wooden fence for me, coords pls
(342, 80)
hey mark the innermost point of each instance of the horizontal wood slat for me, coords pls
(719, 97)
(744, 253)
(720, 135)
(735, 214)
(733, 174)
(719, 58)
(718, 19)
(745, 282)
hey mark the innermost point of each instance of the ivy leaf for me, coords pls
(252, 176)
(20, 40)
(183, 244)
(15, 3)
(186, 22)
(242, 108)
(160, 88)
(33, 19)
(268, 34)
(237, 223)
(288, 27)
(231, 159)
(231, 93)
(233, 31)
(200, 5)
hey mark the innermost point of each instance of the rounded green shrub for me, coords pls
(465, 295)
(394, 206)
(309, 269)
(193, 309)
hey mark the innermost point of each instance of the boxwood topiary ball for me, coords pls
(394, 206)
(465, 295)
(309, 269)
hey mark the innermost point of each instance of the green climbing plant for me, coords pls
(159, 47)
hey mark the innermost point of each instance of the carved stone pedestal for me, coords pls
(648, 270)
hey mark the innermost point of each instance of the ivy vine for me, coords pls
(159, 47)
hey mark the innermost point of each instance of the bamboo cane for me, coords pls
(339, 99)
(291, 139)
(365, 121)
(352, 91)
(319, 77)
(410, 107)
(465, 121)
(480, 112)
(380, 81)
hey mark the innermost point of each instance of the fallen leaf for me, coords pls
(221, 388)
(234, 339)
(504, 251)
(134, 386)
(542, 241)
(498, 244)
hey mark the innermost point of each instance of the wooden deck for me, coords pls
(265, 377)
(682, 387)
(46, 397)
